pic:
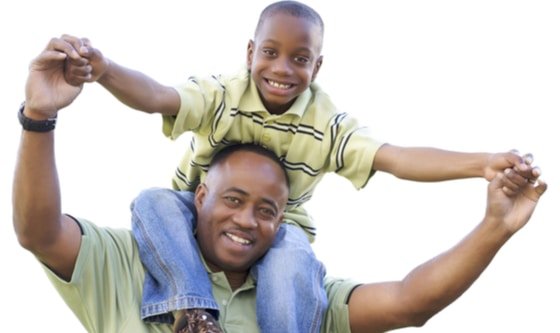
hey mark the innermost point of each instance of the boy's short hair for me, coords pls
(293, 8)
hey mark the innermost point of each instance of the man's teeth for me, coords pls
(279, 85)
(238, 239)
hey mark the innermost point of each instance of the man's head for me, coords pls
(240, 206)
(285, 55)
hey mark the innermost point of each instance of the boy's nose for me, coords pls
(282, 66)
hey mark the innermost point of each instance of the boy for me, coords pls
(273, 103)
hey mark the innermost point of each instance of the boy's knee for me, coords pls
(149, 195)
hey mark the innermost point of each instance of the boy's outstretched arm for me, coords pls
(432, 164)
(131, 87)
(432, 286)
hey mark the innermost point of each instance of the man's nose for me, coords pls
(245, 218)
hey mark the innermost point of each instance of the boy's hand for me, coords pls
(510, 160)
(89, 67)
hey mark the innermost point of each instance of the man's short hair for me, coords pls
(227, 151)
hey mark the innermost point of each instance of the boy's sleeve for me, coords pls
(200, 100)
(353, 151)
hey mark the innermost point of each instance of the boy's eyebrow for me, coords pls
(299, 49)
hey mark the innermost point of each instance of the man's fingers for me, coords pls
(45, 59)
(534, 192)
(70, 45)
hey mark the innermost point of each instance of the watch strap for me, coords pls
(32, 125)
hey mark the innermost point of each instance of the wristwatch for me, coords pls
(29, 124)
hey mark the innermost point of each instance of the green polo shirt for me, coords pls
(105, 290)
(311, 138)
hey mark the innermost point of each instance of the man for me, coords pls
(99, 274)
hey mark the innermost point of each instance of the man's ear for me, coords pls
(280, 219)
(199, 195)
(250, 52)
(317, 67)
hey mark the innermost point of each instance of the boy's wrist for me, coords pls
(105, 73)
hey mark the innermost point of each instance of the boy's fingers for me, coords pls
(528, 158)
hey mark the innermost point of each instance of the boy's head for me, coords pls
(285, 55)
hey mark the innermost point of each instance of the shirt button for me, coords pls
(224, 302)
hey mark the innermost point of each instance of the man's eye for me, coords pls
(302, 60)
(232, 200)
(268, 213)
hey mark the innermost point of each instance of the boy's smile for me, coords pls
(284, 59)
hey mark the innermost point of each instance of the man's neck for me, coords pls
(236, 279)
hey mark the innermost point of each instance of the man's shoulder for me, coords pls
(116, 239)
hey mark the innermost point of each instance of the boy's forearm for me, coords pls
(139, 91)
(429, 164)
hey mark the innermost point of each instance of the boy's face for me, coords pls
(239, 209)
(284, 59)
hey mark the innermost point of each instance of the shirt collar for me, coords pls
(220, 279)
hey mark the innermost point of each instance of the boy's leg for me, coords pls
(290, 292)
(163, 221)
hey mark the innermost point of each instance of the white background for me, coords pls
(459, 75)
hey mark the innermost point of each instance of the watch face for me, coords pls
(29, 124)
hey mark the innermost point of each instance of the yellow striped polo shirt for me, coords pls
(311, 138)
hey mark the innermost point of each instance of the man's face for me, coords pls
(284, 59)
(240, 207)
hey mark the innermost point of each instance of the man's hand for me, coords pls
(513, 208)
(46, 89)
(89, 67)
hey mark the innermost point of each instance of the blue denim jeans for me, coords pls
(290, 292)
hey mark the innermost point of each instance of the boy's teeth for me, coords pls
(278, 85)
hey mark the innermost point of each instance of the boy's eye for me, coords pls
(269, 52)
(302, 60)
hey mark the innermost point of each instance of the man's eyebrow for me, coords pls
(237, 190)
(245, 193)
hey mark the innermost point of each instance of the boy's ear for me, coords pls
(250, 51)
(317, 67)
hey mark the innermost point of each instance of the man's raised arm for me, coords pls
(430, 287)
(40, 227)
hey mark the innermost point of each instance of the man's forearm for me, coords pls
(430, 287)
(437, 283)
(36, 193)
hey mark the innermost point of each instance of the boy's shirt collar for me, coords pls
(251, 101)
